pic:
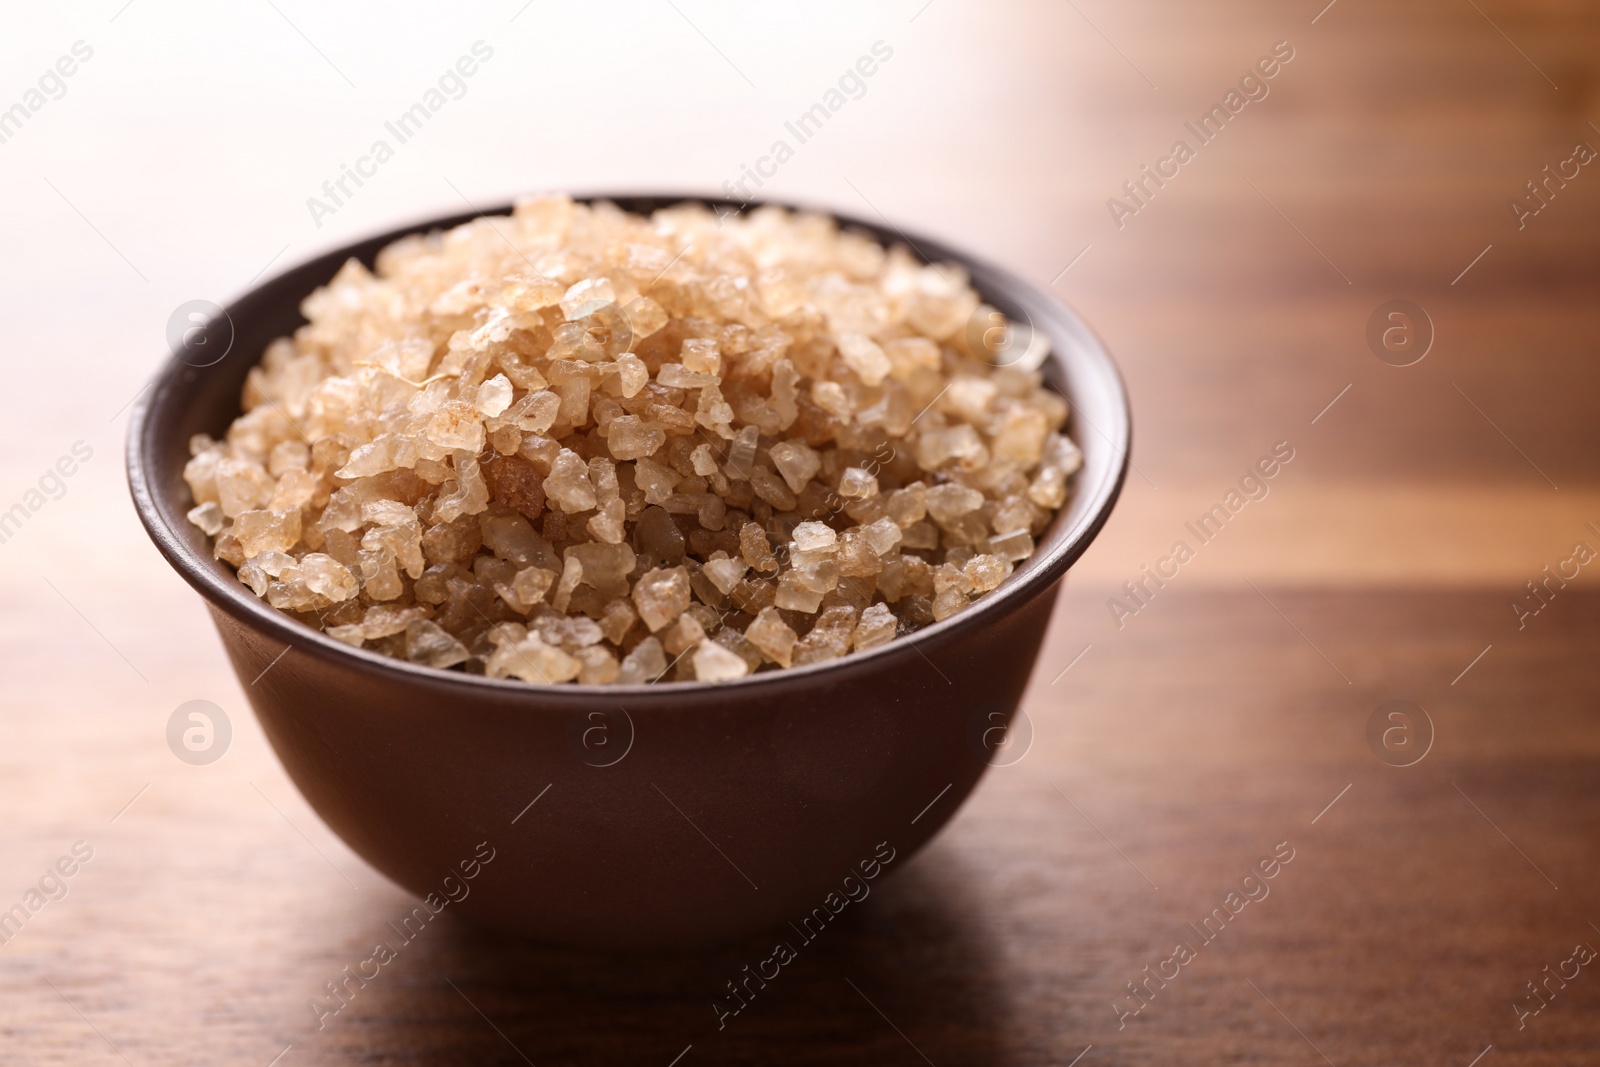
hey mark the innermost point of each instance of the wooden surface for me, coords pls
(1226, 719)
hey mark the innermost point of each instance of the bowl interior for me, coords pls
(185, 400)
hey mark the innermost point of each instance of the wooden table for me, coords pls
(1228, 720)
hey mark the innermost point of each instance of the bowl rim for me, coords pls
(1033, 577)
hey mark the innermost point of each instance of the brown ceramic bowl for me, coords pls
(661, 816)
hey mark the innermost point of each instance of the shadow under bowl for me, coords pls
(632, 817)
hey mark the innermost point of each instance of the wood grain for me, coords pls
(1170, 755)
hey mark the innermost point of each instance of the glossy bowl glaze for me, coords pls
(634, 817)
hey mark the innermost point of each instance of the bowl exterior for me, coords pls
(687, 821)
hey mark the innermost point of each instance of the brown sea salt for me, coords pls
(579, 445)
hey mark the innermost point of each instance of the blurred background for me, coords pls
(1423, 545)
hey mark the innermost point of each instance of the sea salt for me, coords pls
(581, 446)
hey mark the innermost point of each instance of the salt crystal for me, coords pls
(502, 634)
(856, 483)
(785, 393)
(700, 355)
(287, 456)
(1020, 434)
(575, 395)
(797, 462)
(661, 595)
(646, 663)
(585, 292)
(531, 584)
(940, 305)
(528, 292)
(909, 504)
(883, 535)
(735, 642)
(370, 459)
(633, 373)
(1013, 513)
(242, 486)
(327, 577)
(433, 587)
(742, 453)
(494, 396)
(946, 503)
(810, 536)
(1062, 452)
(654, 480)
(617, 619)
(657, 538)
(770, 487)
(512, 538)
(677, 376)
(568, 484)
(429, 643)
(570, 633)
(703, 459)
(539, 411)
(276, 564)
(769, 633)
(755, 549)
(599, 666)
(793, 596)
(684, 634)
(986, 572)
(452, 542)
(631, 437)
(907, 355)
(817, 575)
(201, 472)
(295, 490)
(713, 663)
(386, 512)
(969, 397)
(876, 627)
(829, 638)
(856, 557)
(682, 503)
(606, 567)
(712, 512)
(348, 634)
(533, 660)
(609, 523)
(380, 578)
(457, 425)
(1014, 546)
(383, 620)
(1048, 488)
(515, 483)
(831, 397)
(715, 413)
(267, 531)
(950, 575)
(645, 316)
(725, 573)
(466, 494)
(208, 517)
(947, 603)
(571, 575)
(862, 355)
(920, 535)
(253, 575)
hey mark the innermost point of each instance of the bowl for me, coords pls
(634, 817)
